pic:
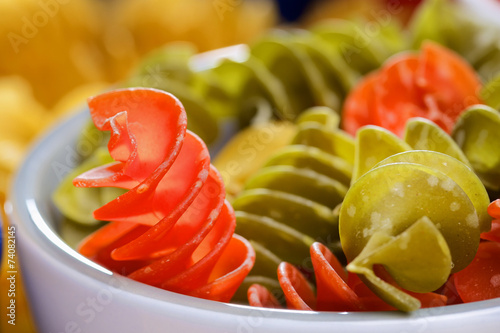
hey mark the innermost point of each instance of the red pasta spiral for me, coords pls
(173, 229)
(336, 290)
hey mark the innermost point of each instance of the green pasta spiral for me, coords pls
(417, 205)
(290, 202)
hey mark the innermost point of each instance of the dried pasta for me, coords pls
(417, 209)
(173, 228)
(289, 203)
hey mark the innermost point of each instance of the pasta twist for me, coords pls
(173, 228)
(290, 202)
(412, 215)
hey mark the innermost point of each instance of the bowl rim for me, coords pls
(24, 210)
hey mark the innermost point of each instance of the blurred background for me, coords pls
(56, 53)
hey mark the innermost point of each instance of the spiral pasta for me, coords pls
(415, 207)
(293, 200)
(172, 229)
(289, 203)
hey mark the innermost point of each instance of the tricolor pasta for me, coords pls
(394, 187)
(415, 207)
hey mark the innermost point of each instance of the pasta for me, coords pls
(381, 155)
(458, 30)
(173, 228)
(386, 220)
(327, 198)
(79, 204)
(289, 203)
(283, 74)
(167, 69)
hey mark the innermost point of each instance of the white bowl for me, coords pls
(69, 293)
